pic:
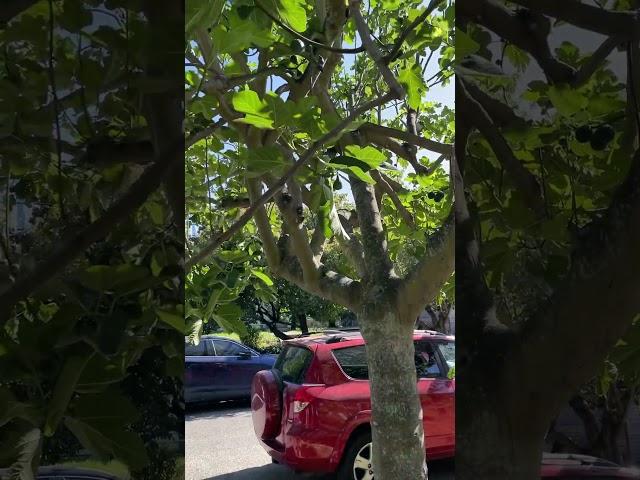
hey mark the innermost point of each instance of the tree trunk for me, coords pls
(397, 429)
(495, 438)
(302, 320)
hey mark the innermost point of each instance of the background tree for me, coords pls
(548, 204)
(90, 259)
(290, 112)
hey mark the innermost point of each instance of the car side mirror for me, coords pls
(244, 355)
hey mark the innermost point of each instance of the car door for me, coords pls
(436, 393)
(203, 372)
(240, 365)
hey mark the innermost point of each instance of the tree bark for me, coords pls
(502, 434)
(395, 404)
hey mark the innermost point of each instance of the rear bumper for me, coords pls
(304, 451)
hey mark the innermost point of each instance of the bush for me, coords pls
(264, 342)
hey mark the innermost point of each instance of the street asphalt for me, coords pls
(221, 445)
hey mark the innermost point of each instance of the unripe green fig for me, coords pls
(297, 45)
(583, 134)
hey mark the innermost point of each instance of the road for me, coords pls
(221, 445)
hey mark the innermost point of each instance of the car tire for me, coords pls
(358, 450)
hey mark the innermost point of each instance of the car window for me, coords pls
(426, 361)
(224, 348)
(448, 350)
(292, 363)
(353, 361)
(195, 350)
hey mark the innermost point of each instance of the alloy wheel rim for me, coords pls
(362, 467)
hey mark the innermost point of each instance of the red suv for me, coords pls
(312, 410)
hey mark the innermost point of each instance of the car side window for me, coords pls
(195, 350)
(292, 364)
(353, 361)
(224, 348)
(448, 351)
(427, 365)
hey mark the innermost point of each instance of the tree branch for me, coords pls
(290, 206)
(377, 132)
(202, 134)
(528, 32)
(343, 232)
(386, 188)
(331, 286)
(424, 282)
(374, 52)
(374, 241)
(523, 178)
(302, 160)
(589, 17)
(265, 231)
(596, 60)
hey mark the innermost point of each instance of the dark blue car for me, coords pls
(66, 473)
(219, 368)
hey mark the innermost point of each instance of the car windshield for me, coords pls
(448, 350)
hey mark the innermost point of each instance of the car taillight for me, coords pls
(302, 398)
(299, 406)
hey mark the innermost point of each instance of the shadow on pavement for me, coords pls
(438, 470)
(269, 472)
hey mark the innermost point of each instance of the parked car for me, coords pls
(67, 473)
(574, 467)
(219, 368)
(312, 410)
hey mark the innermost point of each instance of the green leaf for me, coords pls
(173, 319)
(262, 160)
(10, 409)
(228, 316)
(567, 100)
(465, 45)
(194, 330)
(111, 440)
(369, 155)
(412, 80)
(202, 14)
(293, 13)
(64, 388)
(262, 276)
(107, 407)
(257, 112)
(344, 161)
(233, 256)
(103, 278)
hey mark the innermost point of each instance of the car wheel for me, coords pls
(356, 462)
